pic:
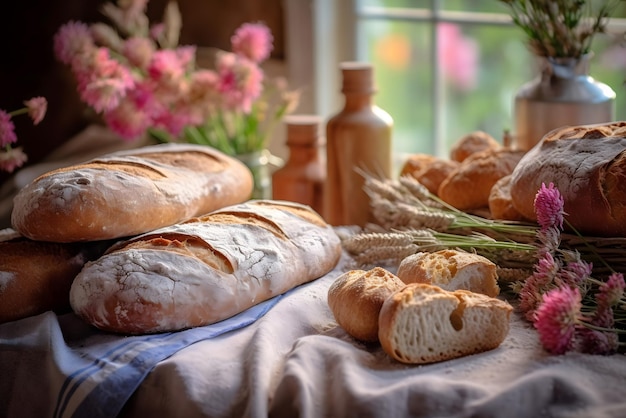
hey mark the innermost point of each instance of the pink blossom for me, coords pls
(458, 56)
(138, 51)
(7, 129)
(549, 207)
(12, 159)
(241, 81)
(167, 67)
(597, 342)
(253, 41)
(37, 107)
(72, 39)
(203, 94)
(611, 291)
(157, 30)
(103, 82)
(575, 273)
(128, 120)
(556, 319)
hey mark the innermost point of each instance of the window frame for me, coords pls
(323, 33)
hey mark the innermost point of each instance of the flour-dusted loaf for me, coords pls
(422, 323)
(451, 269)
(205, 270)
(36, 276)
(587, 164)
(355, 299)
(129, 192)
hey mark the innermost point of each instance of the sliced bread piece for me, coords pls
(422, 324)
(451, 270)
(355, 299)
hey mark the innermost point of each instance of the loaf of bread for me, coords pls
(429, 170)
(129, 192)
(422, 324)
(587, 164)
(451, 269)
(468, 187)
(471, 144)
(355, 299)
(35, 276)
(500, 201)
(206, 269)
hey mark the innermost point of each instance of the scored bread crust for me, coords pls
(205, 270)
(129, 192)
(451, 269)
(355, 299)
(422, 324)
(587, 164)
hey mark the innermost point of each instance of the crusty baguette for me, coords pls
(422, 324)
(587, 164)
(355, 299)
(35, 276)
(451, 269)
(129, 192)
(205, 270)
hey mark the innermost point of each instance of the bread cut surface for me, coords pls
(206, 269)
(129, 192)
(451, 269)
(587, 164)
(422, 324)
(355, 299)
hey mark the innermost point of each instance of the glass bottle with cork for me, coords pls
(302, 178)
(358, 143)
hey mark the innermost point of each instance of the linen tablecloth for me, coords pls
(289, 359)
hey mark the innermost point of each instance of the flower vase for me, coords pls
(261, 164)
(562, 94)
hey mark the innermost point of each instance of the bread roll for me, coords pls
(355, 299)
(129, 192)
(205, 270)
(471, 144)
(587, 164)
(429, 170)
(35, 277)
(451, 270)
(468, 187)
(500, 201)
(422, 324)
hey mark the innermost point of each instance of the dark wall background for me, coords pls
(28, 67)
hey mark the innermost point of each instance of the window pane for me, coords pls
(401, 54)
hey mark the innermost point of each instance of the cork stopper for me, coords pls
(358, 77)
(304, 130)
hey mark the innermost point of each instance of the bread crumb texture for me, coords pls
(422, 324)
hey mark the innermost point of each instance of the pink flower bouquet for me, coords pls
(14, 157)
(137, 77)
